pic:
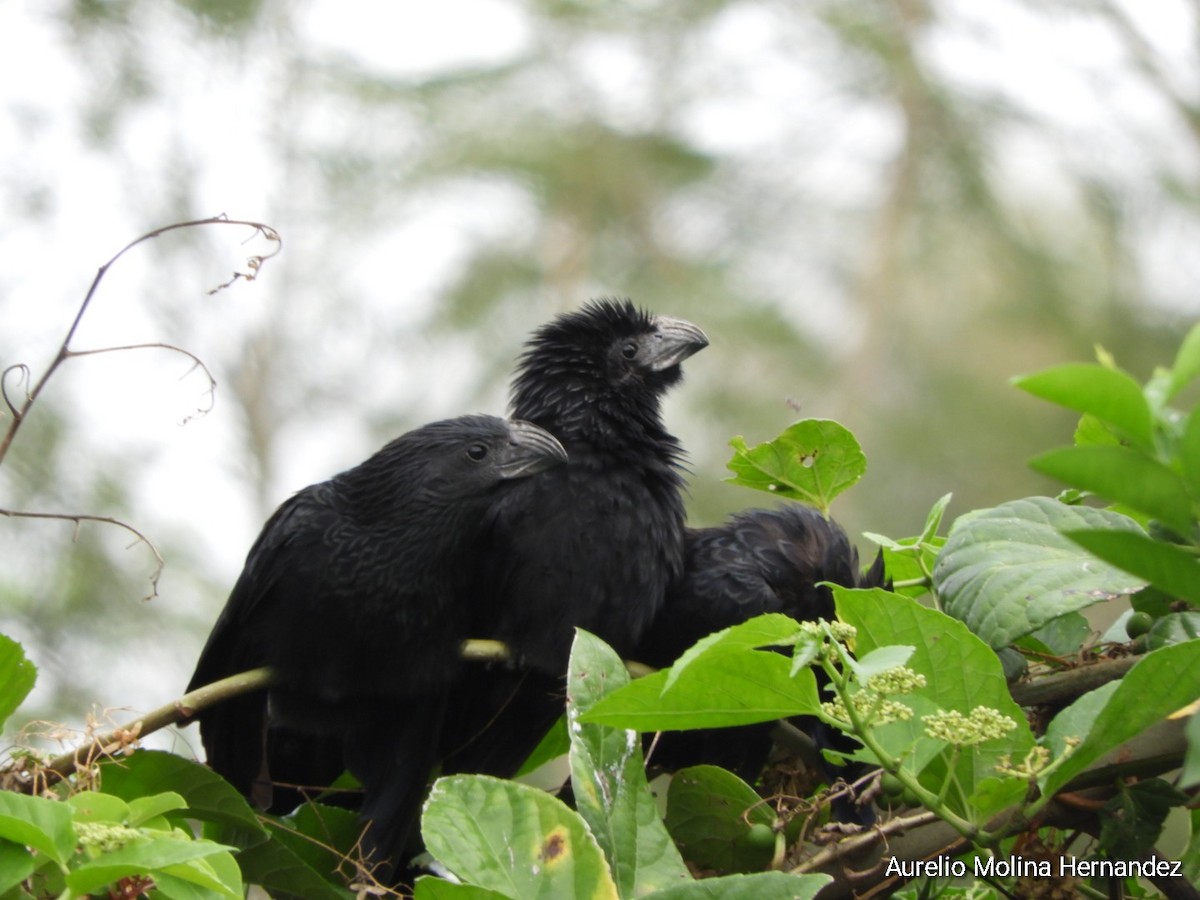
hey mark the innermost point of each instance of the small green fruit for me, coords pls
(1138, 624)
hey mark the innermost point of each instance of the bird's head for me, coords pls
(470, 455)
(607, 352)
(455, 465)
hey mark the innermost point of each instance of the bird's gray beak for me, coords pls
(673, 341)
(529, 450)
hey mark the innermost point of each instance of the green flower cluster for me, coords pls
(899, 680)
(871, 708)
(105, 836)
(840, 630)
(983, 724)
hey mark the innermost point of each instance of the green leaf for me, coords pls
(93, 806)
(880, 660)
(208, 796)
(933, 521)
(139, 858)
(142, 809)
(1188, 452)
(961, 673)
(1187, 362)
(1125, 476)
(718, 690)
(1110, 395)
(609, 779)
(16, 864)
(1174, 628)
(320, 836)
(45, 825)
(1009, 570)
(1059, 637)
(813, 461)
(709, 814)
(513, 839)
(769, 629)
(1166, 566)
(201, 878)
(275, 866)
(760, 886)
(1132, 821)
(1162, 682)
(17, 677)
(430, 888)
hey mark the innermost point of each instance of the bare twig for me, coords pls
(176, 712)
(19, 409)
(19, 412)
(79, 518)
(197, 363)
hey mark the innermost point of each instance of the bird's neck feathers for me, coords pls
(614, 422)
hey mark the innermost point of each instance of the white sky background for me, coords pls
(1060, 69)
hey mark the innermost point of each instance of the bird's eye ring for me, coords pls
(477, 452)
(629, 350)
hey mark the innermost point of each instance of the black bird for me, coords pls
(349, 594)
(592, 544)
(758, 561)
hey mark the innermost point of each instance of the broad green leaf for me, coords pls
(93, 806)
(45, 825)
(276, 867)
(813, 461)
(880, 660)
(1174, 628)
(960, 670)
(1059, 637)
(609, 779)
(767, 630)
(142, 809)
(759, 886)
(1162, 682)
(718, 690)
(16, 864)
(933, 521)
(1187, 362)
(430, 888)
(17, 677)
(320, 836)
(208, 796)
(1009, 570)
(139, 858)
(1110, 395)
(1169, 568)
(514, 839)
(1132, 821)
(709, 814)
(1188, 452)
(1125, 476)
(216, 875)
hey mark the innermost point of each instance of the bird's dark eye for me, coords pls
(629, 350)
(477, 451)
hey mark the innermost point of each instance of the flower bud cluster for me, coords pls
(983, 724)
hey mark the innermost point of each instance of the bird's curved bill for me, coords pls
(673, 341)
(530, 450)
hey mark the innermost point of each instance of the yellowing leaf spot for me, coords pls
(554, 847)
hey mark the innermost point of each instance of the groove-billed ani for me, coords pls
(349, 594)
(591, 544)
(758, 561)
